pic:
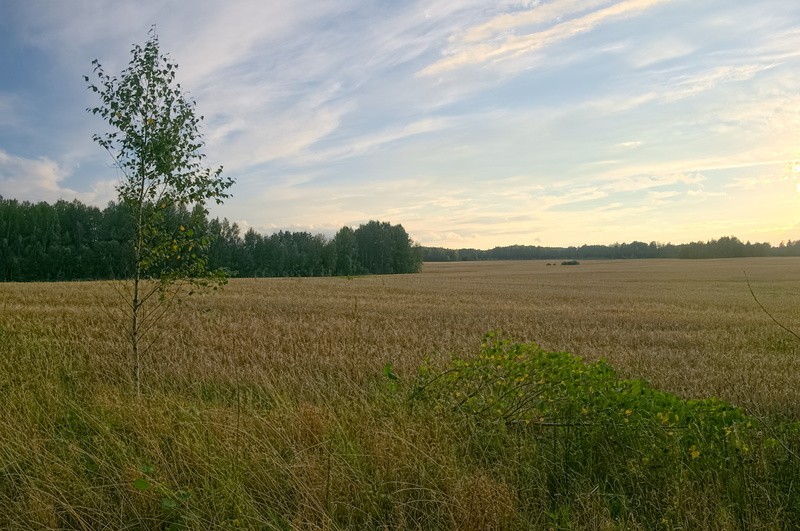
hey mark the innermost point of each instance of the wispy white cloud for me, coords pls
(42, 180)
(652, 53)
(673, 87)
(704, 193)
(482, 44)
(362, 144)
(635, 183)
(658, 196)
(757, 181)
(221, 36)
(537, 13)
(688, 85)
(250, 136)
(630, 144)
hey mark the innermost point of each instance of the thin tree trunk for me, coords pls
(136, 306)
(137, 367)
(137, 277)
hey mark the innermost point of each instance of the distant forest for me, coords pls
(726, 247)
(73, 241)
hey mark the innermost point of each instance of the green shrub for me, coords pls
(568, 427)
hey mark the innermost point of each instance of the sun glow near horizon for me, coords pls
(794, 174)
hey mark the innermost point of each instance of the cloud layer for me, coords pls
(473, 124)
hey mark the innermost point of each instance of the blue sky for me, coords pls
(472, 123)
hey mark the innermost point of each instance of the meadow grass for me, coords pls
(268, 406)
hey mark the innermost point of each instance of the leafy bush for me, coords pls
(642, 450)
(570, 262)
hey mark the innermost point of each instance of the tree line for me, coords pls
(73, 241)
(725, 247)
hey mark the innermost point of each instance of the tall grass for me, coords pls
(268, 407)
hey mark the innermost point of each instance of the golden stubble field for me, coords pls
(689, 327)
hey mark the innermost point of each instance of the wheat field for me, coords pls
(262, 376)
(689, 327)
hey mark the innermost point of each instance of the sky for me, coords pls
(472, 123)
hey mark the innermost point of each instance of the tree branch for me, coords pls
(767, 311)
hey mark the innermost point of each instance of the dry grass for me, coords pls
(690, 327)
(261, 400)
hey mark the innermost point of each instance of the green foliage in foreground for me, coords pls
(513, 438)
(551, 421)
